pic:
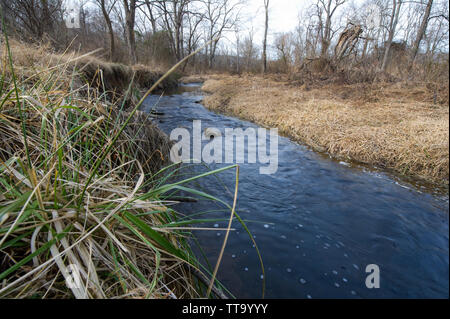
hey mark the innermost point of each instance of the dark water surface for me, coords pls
(318, 222)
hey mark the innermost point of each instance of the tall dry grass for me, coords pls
(400, 126)
(113, 78)
(84, 184)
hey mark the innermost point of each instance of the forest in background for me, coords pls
(357, 39)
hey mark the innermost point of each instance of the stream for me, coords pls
(318, 222)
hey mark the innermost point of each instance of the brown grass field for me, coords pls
(398, 126)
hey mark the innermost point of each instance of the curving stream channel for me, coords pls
(318, 222)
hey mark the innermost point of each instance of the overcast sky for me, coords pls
(283, 16)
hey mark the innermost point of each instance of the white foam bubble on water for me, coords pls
(405, 187)
(289, 270)
(216, 225)
(337, 285)
(266, 226)
(344, 280)
(283, 236)
(355, 266)
(233, 256)
(302, 281)
(334, 272)
(246, 269)
(308, 296)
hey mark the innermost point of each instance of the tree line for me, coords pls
(157, 32)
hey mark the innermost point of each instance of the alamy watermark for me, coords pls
(73, 278)
(372, 16)
(72, 14)
(223, 149)
(373, 279)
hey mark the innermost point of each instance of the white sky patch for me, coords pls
(283, 17)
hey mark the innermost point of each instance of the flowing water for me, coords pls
(318, 222)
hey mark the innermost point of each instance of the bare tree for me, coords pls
(327, 7)
(347, 41)
(283, 44)
(312, 32)
(396, 7)
(106, 8)
(194, 19)
(266, 28)
(421, 31)
(220, 16)
(438, 29)
(162, 31)
(173, 14)
(238, 54)
(36, 17)
(151, 14)
(299, 44)
(130, 20)
(249, 51)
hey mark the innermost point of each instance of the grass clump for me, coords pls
(82, 190)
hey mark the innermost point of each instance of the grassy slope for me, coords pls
(73, 194)
(394, 126)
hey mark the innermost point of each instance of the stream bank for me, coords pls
(317, 222)
(390, 126)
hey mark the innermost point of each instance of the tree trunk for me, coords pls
(392, 26)
(326, 37)
(266, 28)
(421, 32)
(364, 51)
(112, 45)
(130, 16)
(152, 18)
(47, 18)
(238, 62)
